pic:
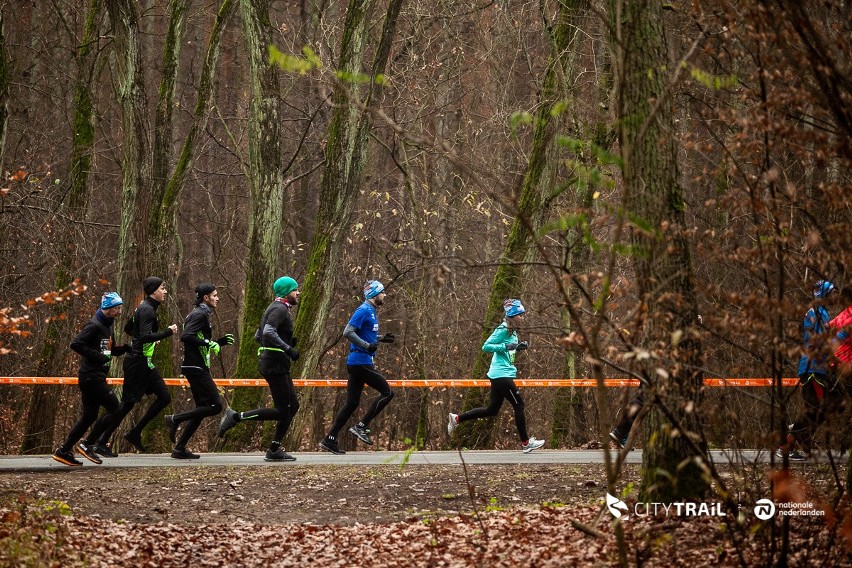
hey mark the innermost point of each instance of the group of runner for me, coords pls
(96, 345)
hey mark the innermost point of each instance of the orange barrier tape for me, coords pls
(409, 383)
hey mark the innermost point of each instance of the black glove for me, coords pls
(294, 342)
(387, 338)
(227, 339)
(522, 345)
(371, 348)
(293, 354)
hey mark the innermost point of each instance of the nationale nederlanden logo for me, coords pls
(764, 509)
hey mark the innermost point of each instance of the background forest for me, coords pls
(622, 168)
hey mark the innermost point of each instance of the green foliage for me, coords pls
(518, 118)
(715, 82)
(294, 63)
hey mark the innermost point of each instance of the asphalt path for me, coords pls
(476, 457)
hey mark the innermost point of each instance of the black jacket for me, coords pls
(94, 339)
(196, 336)
(145, 328)
(275, 336)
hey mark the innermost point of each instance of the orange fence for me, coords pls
(410, 383)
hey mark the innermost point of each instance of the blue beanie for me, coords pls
(513, 307)
(823, 288)
(284, 286)
(111, 300)
(373, 288)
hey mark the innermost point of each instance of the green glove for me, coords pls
(214, 347)
(227, 339)
(108, 361)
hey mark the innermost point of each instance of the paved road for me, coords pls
(481, 457)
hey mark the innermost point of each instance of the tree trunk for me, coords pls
(137, 158)
(267, 201)
(4, 91)
(41, 416)
(653, 199)
(532, 207)
(345, 156)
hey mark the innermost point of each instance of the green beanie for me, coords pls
(284, 286)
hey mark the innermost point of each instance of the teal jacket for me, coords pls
(503, 361)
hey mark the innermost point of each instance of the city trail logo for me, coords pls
(764, 509)
(619, 508)
(615, 506)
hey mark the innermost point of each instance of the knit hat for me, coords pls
(284, 286)
(202, 290)
(513, 307)
(823, 288)
(111, 300)
(373, 288)
(151, 285)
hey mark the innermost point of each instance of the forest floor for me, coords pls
(391, 515)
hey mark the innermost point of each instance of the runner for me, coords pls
(140, 375)
(813, 375)
(277, 350)
(362, 331)
(96, 346)
(503, 343)
(197, 348)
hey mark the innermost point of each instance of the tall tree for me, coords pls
(38, 429)
(266, 184)
(535, 195)
(4, 89)
(345, 156)
(653, 200)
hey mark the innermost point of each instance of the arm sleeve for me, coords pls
(193, 324)
(81, 345)
(496, 343)
(350, 332)
(146, 333)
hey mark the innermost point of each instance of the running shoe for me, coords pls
(533, 444)
(104, 450)
(88, 452)
(227, 421)
(171, 427)
(330, 445)
(184, 454)
(278, 455)
(67, 458)
(453, 423)
(363, 434)
(135, 439)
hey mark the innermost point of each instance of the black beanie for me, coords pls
(202, 290)
(151, 285)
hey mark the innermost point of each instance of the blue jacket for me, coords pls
(814, 324)
(366, 324)
(503, 361)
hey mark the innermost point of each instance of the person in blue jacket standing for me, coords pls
(362, 331)
(504, 344)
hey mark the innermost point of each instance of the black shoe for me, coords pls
(104, 450)
(184, 454)
(171, 427)
(331, 446)
(363, 434)
(87, 452)
(227, 421)
(67, 458)
(278, 455)
(135, 439)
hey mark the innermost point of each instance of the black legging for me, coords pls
(207, 403)
(360, 375)
(139, 380)
(96, 393)
(502, 389)
(820, 401)
(286, 402)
